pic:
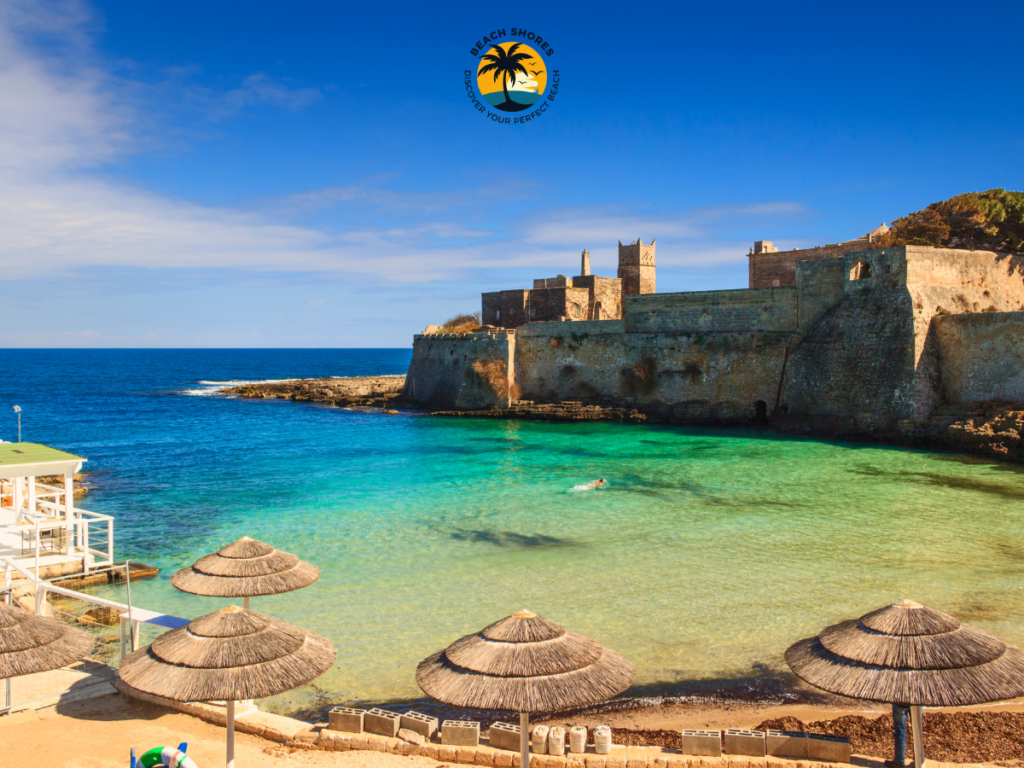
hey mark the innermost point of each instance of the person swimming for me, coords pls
(599, 483)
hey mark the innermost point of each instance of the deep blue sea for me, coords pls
(707, 555)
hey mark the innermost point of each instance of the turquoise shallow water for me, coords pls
(708, 554)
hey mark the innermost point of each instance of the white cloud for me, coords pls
(64, 118)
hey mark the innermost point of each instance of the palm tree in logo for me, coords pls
(506, 65)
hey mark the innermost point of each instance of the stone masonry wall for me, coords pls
(693, 376)
(778, 269)
(504, 309)
(945, 281)
(606, 290)
(981, 356)
(856, 362)
(770, 310)
(461, 371)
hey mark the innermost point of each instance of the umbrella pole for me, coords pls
(245, 602)
(231, 734)
(524, 738)
(917, 725)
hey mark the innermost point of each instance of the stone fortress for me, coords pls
(584, 297)
(844, 339)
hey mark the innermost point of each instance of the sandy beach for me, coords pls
(99, 733)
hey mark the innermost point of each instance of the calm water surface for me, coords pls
(708, 554)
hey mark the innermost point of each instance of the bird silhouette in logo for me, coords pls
(536, 72)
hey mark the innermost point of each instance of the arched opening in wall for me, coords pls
(861, 270)
(576, 311)
(597, 310)
(760, 412)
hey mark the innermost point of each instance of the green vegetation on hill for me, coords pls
(991, 221)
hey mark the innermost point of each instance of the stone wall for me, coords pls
(857, 361)
(863, 343)
(466, 371)
(691, 376)
(766, 310)
(606, 291)
(504, 309)
(981, 356)
(778, 269)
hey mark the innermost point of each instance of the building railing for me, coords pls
(130, 618)
(89, 534)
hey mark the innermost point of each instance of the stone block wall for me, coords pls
(857, 360)
(766, 310)
(466, 371)
(691, 376)
(606, 291)
(504, 309)
(778, 269)
(981, 356)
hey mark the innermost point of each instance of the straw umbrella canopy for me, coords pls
(245, 568)
(30, 644)
(228, 655)
(910, 655)
(524, 663)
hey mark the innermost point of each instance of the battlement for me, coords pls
(636, 254)
(560, 281)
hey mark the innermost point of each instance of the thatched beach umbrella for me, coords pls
(30, 644)
(913, 656)
(246, 568)
(228, 655)
(524, 663)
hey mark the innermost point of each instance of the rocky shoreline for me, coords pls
(989, 430)
(342, 391)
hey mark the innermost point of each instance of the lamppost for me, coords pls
(17, 410)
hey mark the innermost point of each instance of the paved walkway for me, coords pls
(84, 680)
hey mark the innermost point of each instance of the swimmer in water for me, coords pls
(599, 483)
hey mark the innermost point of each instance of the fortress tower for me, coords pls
(636, 268)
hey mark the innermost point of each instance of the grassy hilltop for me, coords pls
(991, 221)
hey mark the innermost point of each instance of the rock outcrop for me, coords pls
(367, 391)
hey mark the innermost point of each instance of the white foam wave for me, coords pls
(216, 387)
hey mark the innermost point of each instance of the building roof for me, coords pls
(34, 454)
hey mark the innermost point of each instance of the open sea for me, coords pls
(707, 555)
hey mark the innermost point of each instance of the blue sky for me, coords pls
(313, 175)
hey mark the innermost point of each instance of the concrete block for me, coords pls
(484, 757)
(704, 743)
(834, 749)
(786, 744)
(465, 755)
(425, 725)
(382, 722)
(503, 760)
(555, 761)
(460, 733)
(446, 754)
(539, 740)
(346, 719)
(504, 736)
(742, 742)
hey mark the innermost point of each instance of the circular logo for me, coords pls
(511, 77)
